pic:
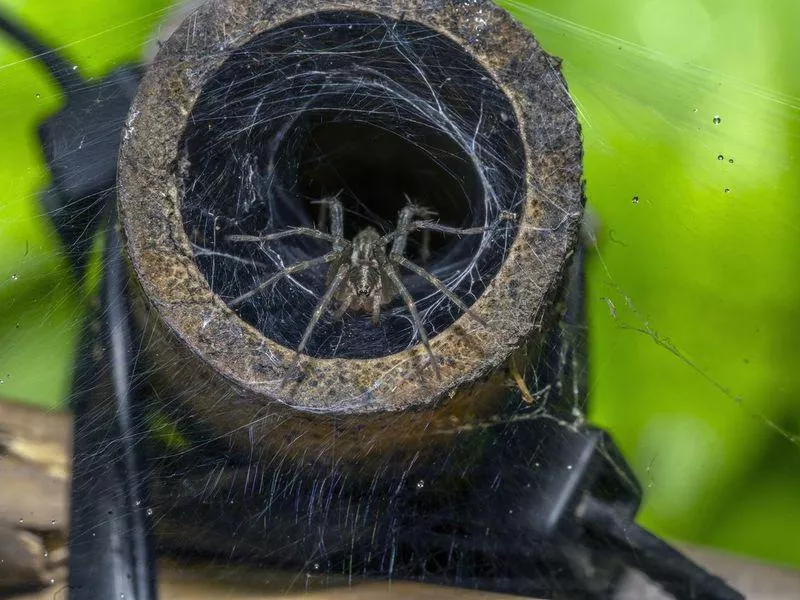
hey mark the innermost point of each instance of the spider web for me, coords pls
(650, 348)
(370, 110)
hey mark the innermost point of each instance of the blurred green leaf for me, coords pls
(692, 168)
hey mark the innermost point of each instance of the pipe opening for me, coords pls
(370, 108)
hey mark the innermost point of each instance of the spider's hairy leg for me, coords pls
(427, 226)
(404, 225)
(431, 226)
(376, 310)
(412, 210)
(503, 217)
(323, 304)
(295, 268)
(306, 231)
(337, 215)
(392, 274)
(345, 302)
(437, 283)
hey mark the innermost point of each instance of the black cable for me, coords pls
(128, 411)
(109, 546)
(58, 68)
(662, 563)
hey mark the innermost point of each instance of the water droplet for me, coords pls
(74, 67)
(17, 325)
(694, 110)
(730, 160)
(569, 467)
(420, 484)
(720, 157)
(14, 277)
(727, 190)
(52, 522)
(149, 512)
(1, 383)
(717, 120)
(52, 581)
(38, 95)
(46, 554)
(21, 520)
(138, 503)
(635, 200)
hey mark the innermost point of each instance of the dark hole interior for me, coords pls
(373, 110)
(374, 169)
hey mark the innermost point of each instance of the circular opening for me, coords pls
(375, 112)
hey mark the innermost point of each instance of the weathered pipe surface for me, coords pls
(253, 109)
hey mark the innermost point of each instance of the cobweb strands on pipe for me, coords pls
(371, 109)
(253, 113)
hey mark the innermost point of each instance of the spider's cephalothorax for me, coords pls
(362, 276)
(365, 288)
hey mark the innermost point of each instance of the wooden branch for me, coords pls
(34, 471)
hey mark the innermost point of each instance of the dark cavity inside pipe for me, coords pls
(370, 108)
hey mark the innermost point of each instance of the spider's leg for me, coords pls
(345, 304)
(392, 274)
(431, 226)
(270, 237)
(400, 234)
(415, 210)
(377, 300)
(337, 222)
(323, 304)
(337, 215)
(295, 268)
(109, 482)
(437, 283)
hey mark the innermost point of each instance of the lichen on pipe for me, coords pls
(256, 109)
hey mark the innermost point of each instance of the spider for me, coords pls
(362, 276)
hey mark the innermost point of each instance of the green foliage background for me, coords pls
(694, 288)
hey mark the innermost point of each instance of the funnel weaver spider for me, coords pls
(362, 276)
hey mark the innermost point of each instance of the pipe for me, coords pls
(253, 110)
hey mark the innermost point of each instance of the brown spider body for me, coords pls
(366, 287)
(362, 276)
